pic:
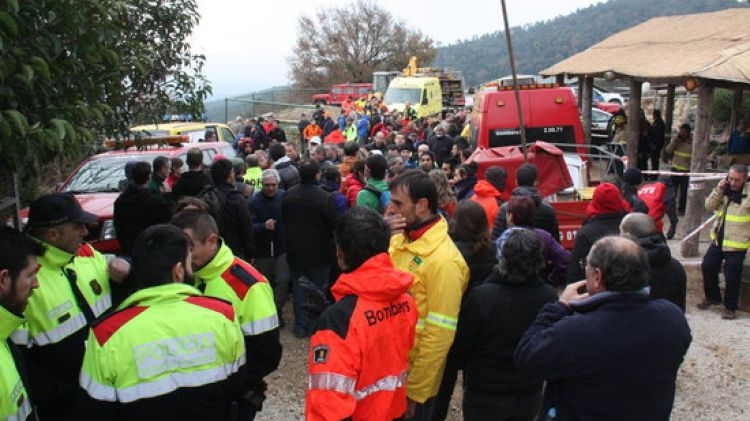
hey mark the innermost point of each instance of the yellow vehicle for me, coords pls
(423, 93)
(195, 131)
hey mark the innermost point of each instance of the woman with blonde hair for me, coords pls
(446, 198)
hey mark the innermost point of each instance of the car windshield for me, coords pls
(403, 95)
(103, 174)
(599, 116)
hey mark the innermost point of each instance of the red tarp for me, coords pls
(553, 172)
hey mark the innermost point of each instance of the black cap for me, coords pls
(632, 176)
(57, 208)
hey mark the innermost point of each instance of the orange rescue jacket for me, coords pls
(359, 352)
(487, 196)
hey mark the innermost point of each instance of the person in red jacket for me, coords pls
(489, 192)
(354, 183)
(358, 357)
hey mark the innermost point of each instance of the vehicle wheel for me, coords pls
(319, 102)
(615, 101)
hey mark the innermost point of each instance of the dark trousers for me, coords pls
(424, 411)
(681, 183)
(711, 265)
(304, 322)
(443, 398)
(655, 154)
(478, 407)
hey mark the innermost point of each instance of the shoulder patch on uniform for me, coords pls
(336, 317)
(241, 277)
(106, 326)
(320, 354)
(85, 251)
(215, 304)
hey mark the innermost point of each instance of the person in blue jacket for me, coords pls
(363, 129)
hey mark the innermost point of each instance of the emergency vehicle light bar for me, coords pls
(496, 86)
(145, 141)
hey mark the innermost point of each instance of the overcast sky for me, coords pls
(247, 43)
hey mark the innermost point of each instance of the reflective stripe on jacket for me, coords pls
(683, 152)
(14, 400)
(159, 340)
(440, 278)
(736, 220)
(358, 355)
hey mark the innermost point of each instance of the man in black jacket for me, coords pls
(656, 137)
(232, 214)
(194, 180)
(610, 353)
(544, 216)
(309, 218)
(667, 277)
(287, 171)
(493, 318)
(137, 208)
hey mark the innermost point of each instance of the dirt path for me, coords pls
(713, 383)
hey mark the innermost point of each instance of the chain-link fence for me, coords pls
(273, 100)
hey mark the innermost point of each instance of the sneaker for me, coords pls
(728, 314)
(706, 304)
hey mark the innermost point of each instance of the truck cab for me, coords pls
(423, 93)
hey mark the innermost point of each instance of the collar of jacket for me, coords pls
(605, 297)
(54, 257)
(430, 239)
(218, 265)
(391, 282)
(159, 294)
(381, 184)
(9, 322)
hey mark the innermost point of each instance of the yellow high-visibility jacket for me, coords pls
(440, 278)
(736, 220)
(682, 151)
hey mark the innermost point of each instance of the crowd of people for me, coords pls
(403, 268)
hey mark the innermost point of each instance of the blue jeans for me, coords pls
(304, 322)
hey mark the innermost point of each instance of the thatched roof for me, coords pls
(712, 46)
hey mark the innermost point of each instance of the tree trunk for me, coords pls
(588, 94)
(669, 111)
(634, 122)
(696, 212)
(580, 92)
(736, 109)
(560, 79)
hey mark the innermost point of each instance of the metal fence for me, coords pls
(270, 100)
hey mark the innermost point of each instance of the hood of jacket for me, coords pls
(657, 250)
(375, 280)
(483, 188)
(282, 162)
(531, 192)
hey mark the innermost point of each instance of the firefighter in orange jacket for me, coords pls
(359, 352)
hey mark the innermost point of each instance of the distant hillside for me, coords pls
(542, 44)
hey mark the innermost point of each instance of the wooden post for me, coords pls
(736, 109)
(580, 92)
(560, 79)
(696, 212)
(669, 111)
(634, 122)
(588, 96)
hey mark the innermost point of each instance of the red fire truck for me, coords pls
(341, 92)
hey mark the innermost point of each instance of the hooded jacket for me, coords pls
(352, 187)
(544, 216)
(667, 277)
(288, 173)
(494, 317)
(488, 197)
(358, 353)
(440, 278)
(465, 188)
(363, 126)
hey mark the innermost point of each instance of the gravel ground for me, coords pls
(713, 383)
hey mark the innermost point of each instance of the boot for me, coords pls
(671, 231)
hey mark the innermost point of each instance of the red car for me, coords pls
(343, 91)
(95, 184)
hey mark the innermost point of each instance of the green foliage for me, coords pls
(723, 102)
(72, 71)
(540, 45)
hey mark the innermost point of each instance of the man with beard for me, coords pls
(422, 247)
(17, 282)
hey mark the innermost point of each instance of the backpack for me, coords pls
(215, 200)
(384, 197)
